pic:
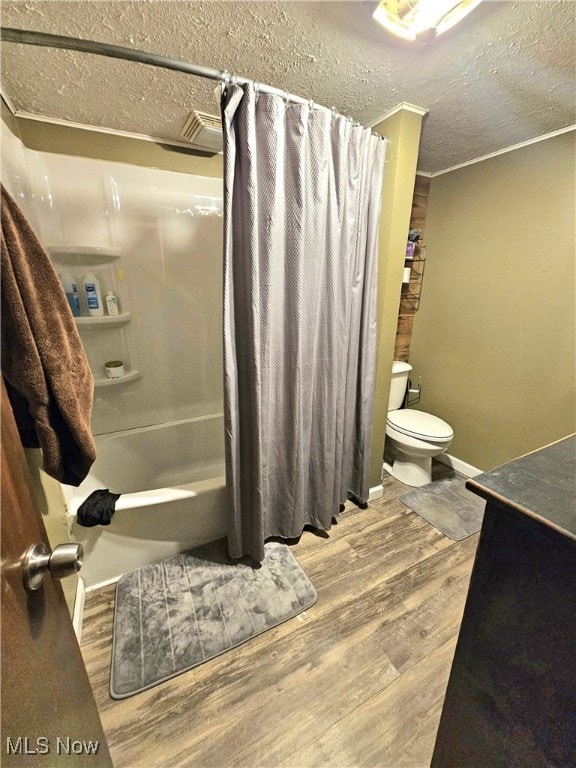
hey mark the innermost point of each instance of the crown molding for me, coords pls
(187, 145)
(504, 151)
(403, 105)
(110, 131)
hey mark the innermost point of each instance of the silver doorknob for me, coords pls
(64, 560)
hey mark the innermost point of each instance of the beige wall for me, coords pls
(403, 132)
(67, 140)
(494, 337)
(8, 118)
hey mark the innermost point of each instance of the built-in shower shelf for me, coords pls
(84, 255)
(102, 381)
(105, 320)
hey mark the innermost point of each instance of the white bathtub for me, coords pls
(171, 477)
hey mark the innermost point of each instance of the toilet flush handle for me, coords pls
(416, 392)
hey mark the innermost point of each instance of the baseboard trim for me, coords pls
(376, 492)
(459, 465)
(102, 584)
(78, 613)
(387, 467)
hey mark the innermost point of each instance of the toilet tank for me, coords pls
(398, 384)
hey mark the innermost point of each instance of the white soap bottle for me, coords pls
(93, 295)
(111, 303)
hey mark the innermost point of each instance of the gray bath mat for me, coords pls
(448, 506)
(176, 614)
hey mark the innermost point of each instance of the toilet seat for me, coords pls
(420, 425)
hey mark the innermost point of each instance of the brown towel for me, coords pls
(43, 361)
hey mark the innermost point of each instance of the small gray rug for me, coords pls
(174, 615)
(448, 506)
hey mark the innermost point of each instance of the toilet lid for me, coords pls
(419, 424)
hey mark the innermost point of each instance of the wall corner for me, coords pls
(403, 130)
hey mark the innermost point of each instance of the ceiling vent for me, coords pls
(203, 130)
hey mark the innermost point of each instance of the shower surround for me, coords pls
(154, 238)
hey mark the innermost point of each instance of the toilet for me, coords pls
(415, 436)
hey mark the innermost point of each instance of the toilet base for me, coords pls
(411, 470)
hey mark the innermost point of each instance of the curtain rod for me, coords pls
(47, 40)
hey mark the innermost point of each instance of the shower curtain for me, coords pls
(302, 193)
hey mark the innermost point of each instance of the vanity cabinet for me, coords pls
(511, 697)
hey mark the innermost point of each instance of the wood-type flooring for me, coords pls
(358, 680)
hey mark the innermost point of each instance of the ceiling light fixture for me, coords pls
(421, 20)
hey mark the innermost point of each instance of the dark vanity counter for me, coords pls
(541, 485)
(511, 697)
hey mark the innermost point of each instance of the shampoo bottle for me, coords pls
(93, 295)
(71, 291)
(111, 303)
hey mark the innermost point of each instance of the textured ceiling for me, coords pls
(505, 76)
